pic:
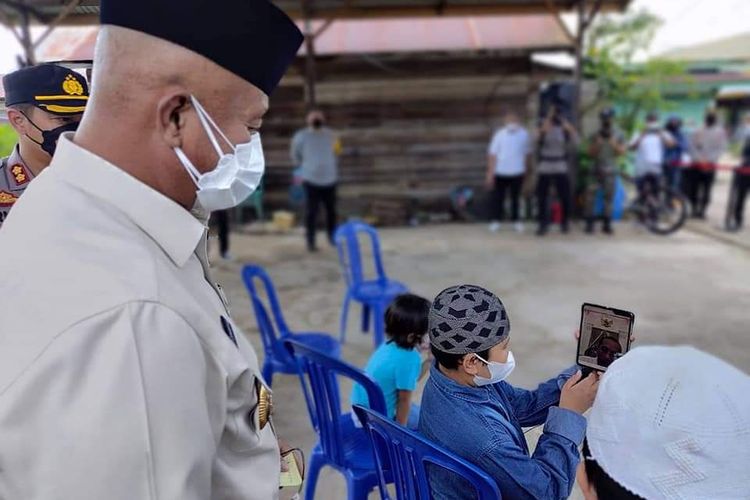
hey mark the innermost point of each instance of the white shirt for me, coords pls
(510, 145)
(117, 380)
(649, 155)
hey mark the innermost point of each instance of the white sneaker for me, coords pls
(495, 226)
(519, 227)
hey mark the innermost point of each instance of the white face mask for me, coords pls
(498, 371)
(236, 175)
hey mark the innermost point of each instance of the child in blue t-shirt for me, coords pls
(397, 365)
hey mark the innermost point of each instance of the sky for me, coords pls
(686, 22)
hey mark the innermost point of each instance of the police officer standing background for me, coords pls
(554, 141)
(42, 102)
(605, 148)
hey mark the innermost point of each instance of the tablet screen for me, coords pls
(605, 336)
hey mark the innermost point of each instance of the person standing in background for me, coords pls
(742, 180)
(605, 148)
(649, 146)
(743, 131)
(507, 163)
(221, 217)
(675, 155)
(555, 138)
(707, 144)
(314, 150)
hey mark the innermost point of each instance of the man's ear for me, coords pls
(587, 487)
(171, 118)
(18, 121)
(470, 364)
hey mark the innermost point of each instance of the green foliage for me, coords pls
(612, 47)
(8, 139)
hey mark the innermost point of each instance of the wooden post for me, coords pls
(310, 70)
(69, 8)
(26, 42)
(584, 22)
(578, 70)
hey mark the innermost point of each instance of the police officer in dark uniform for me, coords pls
(42, 102)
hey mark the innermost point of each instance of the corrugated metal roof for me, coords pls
(733, 48)
(87, 12)
(378, 36)
(441, 34)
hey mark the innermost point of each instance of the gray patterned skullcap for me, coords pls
(467, 318)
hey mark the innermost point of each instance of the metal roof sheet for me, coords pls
(87, 11)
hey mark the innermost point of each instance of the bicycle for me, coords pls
(660, 208)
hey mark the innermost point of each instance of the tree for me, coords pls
(612, 47)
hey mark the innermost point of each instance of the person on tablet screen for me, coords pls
(608, 351)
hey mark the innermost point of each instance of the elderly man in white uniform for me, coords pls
(122, 375)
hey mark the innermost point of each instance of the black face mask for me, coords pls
(50, 137)
(317, 123)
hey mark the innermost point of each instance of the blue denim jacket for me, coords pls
(483, 425)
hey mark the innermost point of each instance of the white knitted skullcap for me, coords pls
(673, 423)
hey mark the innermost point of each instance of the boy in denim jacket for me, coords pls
(468, 408)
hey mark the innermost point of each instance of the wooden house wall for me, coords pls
(410, 128)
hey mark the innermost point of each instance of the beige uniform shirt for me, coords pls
(118, 379)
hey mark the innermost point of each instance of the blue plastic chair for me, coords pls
(277, 357)
(404, 455)
(373, 294)
(340, 444)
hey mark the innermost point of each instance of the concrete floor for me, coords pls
(686, 289)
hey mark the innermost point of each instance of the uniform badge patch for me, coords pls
(19, 174)
(72, 86)
(7, 199)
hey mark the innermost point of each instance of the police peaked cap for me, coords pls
(50, 87)
(253, 39)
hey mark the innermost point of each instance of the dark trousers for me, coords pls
(743, 186)
(222, 225)
(315, 196)
(562, 187)
(673, 176)
(698, 184)
(647, 185)
(513, 184)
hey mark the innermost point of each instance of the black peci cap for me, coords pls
(253, 39)
(50, 87)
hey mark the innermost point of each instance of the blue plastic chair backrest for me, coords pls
(318, 374)
(347, 244)
(407, 455)
(267, 325)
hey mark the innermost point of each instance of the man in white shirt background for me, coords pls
(649, 147)
(707, 145)
(507, 163)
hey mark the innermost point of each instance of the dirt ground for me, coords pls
(690, 288)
